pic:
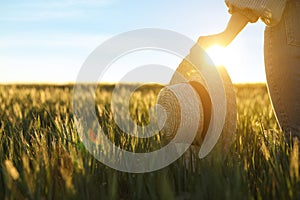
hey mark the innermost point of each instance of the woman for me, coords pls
(281, 51)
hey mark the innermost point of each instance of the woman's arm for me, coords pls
(244, 11)
(236, 23)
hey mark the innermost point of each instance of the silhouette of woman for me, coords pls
(281, 52)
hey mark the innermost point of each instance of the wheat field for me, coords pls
(42, 157)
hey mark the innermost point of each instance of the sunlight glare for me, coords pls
(217, 54)
(228, 57)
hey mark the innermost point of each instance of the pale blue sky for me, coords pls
(47, 41)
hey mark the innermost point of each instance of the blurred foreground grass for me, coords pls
(41, 156)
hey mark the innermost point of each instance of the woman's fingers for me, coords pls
(206, 41)
(210, 40)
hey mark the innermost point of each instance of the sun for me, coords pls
(217, 54)
(228, 57)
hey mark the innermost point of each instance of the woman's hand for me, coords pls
(236, 23)
(221, 39)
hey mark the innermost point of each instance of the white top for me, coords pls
(269, 11)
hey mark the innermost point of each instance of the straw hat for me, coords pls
(215, 97)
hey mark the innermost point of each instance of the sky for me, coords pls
(48, 41)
